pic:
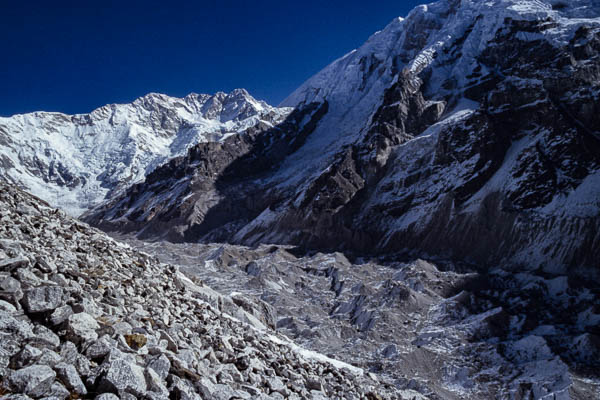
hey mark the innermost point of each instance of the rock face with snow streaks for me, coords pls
(469, 129)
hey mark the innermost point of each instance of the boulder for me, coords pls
(42, 299)
(10, 289)
(161, 365)
(81, 328)
(11, 264)
(60, 315)
(26, 357)
(123, 376)
(34, 381)
(69, 376)
(106, 396)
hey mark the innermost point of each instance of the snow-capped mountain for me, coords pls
(469, 129)
(77, 161)
(466, 134)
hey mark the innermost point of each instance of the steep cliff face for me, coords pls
(77, 161)
(468, 130)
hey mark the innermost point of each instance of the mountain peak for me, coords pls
(240, 93)
(421, 38)
(432, 93)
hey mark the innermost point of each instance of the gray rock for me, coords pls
(276, 385)
(390, 351)
(100, 347)
(60, 315)
(34, 380)
(161, 365)
(241, 394)
(156, 383)
(314, 383)
(45, 337)
(49, 357)
(232, 372)
(253, 269)
(21, 329)
(156, 396)
(183, 390)
(128, 396)
(45, 265)
(171, 345)
(251, 389)
(28, 278)
(82, 328)
(10, 290)
(70, 355)
(88, 306)
(210, 390)
(122, 328)
(16, 397)
(57, 392)
(68, 352)
(188, 357)
(8, 346)
(317, 395)
(42, 299)
(60, 279)
(26, 357)
(7, 307)
(13, 263)
(107, 396)
(122, 375)
(83, 365)
(69, 376)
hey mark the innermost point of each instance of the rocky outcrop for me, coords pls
(82, 315)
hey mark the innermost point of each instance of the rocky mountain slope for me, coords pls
(469, 129)
(77, 161)
(83, 316)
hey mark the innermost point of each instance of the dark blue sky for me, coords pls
(74, 56)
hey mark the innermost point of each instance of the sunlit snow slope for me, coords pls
(76, 161)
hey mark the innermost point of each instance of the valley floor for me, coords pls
(439, 329)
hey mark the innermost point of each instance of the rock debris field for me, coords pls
(84, 316)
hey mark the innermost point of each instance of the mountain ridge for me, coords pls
(76, 161)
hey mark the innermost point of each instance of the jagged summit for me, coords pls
(444, 39)
(75, 161)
